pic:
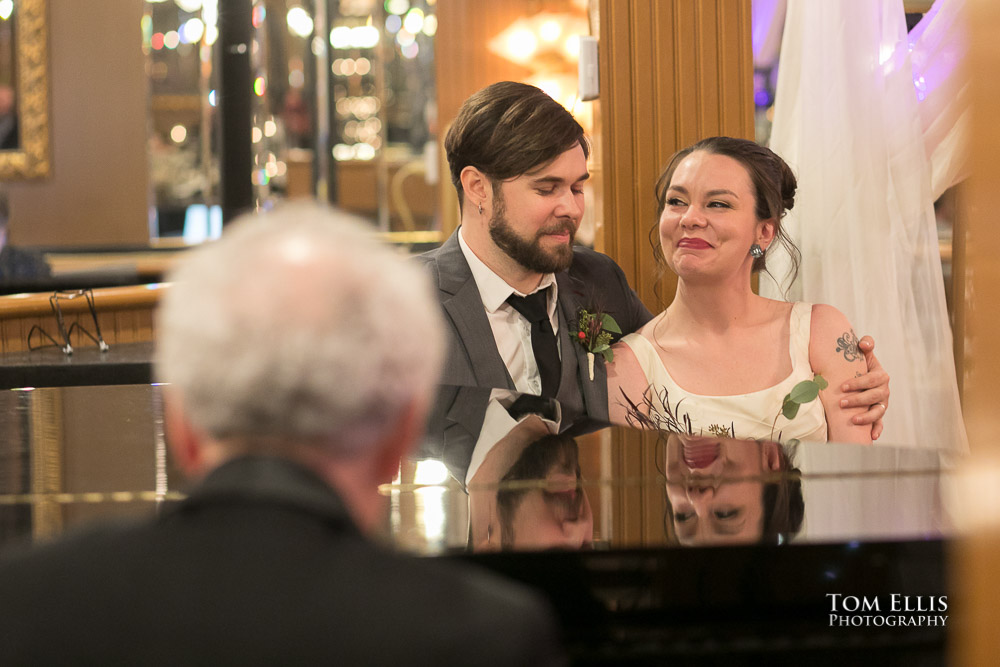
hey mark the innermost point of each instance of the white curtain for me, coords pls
(848, 120)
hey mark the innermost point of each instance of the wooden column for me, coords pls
(672, 72)
(977, 322)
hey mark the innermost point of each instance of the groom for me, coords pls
(510, 280)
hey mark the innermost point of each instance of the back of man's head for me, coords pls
(508, 129)
(298, 327)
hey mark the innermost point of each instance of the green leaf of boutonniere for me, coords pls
(609, 324)
(594, 333)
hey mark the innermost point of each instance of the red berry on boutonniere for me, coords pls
(581, 335)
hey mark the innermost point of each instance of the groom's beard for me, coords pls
(529, 253)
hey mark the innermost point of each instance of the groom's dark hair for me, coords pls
(508, 129)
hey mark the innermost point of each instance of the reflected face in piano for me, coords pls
(715, 488)
(553, 512)
(557, 517)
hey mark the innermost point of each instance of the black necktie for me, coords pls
(526, 404)
(534, 308)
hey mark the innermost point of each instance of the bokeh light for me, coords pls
(397, 6)
(192, 31)
(430, 25)
(299, 22)
(190, 6)
(414, 21)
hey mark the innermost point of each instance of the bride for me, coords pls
(721, 359)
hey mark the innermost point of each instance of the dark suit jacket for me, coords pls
(22, 265)
(593, 281)
(260, 566)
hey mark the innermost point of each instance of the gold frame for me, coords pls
(32, 159)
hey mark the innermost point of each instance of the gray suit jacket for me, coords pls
(593, 281)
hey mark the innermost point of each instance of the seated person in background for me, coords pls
(295, 392)
(720, 359)
(16, 264)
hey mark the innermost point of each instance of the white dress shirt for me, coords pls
(497, 424)
(511, 330)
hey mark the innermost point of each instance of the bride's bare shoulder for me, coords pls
(647, 329)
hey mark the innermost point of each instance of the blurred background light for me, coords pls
(550, 30)
(414, 21)
(340, 37)
(430, 25)
(397, 6)
(299, 22)
(190, 6)
(192, 31)
(364, 36)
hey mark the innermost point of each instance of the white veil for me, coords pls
(870, 158)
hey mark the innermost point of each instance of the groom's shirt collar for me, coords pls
(511, 332)
(494, 290)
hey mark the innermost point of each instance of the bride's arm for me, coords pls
(834, 354)
(624, 375)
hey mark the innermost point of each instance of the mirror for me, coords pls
(343, 109)
(24, 90)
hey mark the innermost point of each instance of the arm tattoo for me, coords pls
(848, 344)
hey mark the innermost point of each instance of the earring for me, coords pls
(480, 208)
(756, 251)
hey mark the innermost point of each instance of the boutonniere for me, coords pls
(594, 333)
(802, 393)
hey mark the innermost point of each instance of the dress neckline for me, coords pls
(794, 314)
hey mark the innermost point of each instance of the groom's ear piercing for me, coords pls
(480, 208)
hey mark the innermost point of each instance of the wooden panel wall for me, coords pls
(98, 191)
(672, 72)
(977, 321)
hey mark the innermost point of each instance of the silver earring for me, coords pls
(756, 251)
(480, 208)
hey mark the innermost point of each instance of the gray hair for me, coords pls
(299, 326)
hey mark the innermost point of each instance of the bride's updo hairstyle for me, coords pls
(773, 182)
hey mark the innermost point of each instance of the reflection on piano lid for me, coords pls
(526, 476)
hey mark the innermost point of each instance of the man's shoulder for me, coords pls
(448, 248)
(589, 264)
(99, 554)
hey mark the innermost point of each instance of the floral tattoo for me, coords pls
(848, 344)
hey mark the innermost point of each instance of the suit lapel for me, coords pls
(576, 371)
(461, 300)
